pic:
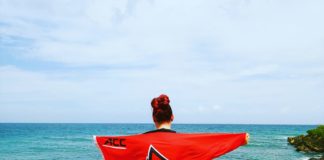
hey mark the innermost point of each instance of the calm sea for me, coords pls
(74, 141)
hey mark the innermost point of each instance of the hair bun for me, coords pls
(160, 102)
(163, 99)
(155, 103)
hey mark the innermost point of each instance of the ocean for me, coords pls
(40, 141)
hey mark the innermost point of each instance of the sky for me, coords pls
(220, 61)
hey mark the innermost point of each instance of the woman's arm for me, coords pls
(247, 138)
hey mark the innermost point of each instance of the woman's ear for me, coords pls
(172, 117)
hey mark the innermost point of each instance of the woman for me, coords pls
(165, 144)
(163, 116)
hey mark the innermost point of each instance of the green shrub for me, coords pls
(319, 131)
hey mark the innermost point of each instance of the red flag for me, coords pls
(168, 146)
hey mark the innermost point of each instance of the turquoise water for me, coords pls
(74, 141)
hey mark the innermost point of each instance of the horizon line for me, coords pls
(153, 123)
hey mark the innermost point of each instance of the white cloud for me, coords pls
(260, 70)
(93, 92)
(254, 57)
(88, 34)
(209, 109)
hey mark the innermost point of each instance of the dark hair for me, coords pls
(162, 111)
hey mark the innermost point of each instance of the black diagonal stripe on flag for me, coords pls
(154, 154)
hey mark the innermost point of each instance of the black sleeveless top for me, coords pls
(161, 130)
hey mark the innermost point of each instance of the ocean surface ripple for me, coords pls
(40, 141)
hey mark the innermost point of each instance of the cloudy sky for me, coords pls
(220, 61)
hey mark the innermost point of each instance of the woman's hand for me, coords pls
(247, 138)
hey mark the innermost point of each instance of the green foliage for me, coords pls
(312, 142)
(319, 131)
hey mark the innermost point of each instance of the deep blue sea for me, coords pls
(74, 141)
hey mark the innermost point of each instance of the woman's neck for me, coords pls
(165, 125)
